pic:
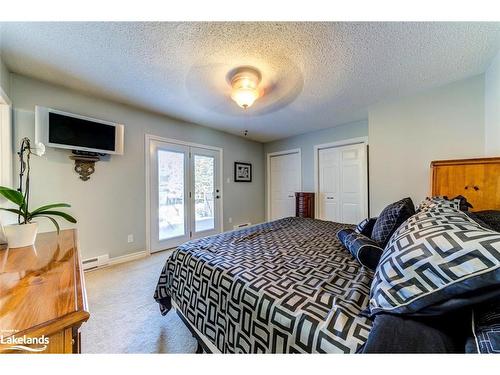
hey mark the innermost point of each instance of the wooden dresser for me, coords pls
(42, 296)
(478, 180)
(304, 205)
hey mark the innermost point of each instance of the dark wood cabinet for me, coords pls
(304, 204)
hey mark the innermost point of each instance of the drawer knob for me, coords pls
(475, 187)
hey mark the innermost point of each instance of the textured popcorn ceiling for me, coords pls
(316, 75)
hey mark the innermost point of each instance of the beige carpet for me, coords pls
(124, 317)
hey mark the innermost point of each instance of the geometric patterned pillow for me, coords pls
(435, 256)
(390, 219)
(364, 249)
(366, 226)
(442, 201)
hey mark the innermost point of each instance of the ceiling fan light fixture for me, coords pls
(245, 86)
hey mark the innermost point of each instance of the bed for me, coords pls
(287, 286)
(291, 286)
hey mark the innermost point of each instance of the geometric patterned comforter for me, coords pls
(287, 286)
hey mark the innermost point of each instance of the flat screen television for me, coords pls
(66, 130)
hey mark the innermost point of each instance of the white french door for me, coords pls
(205, 192)
(342, 183)
(185, 193)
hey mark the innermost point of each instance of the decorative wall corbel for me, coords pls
(84, 165)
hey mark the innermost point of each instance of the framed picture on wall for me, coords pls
(242, 172)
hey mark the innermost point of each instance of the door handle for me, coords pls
(330, 197)
(290, 196)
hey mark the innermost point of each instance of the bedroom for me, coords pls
(227, 168)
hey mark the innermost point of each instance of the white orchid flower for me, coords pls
(39, 149)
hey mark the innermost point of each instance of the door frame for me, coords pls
(268, 174)
(147, 143)
(6, 151)
(6, 141)
(345, 142)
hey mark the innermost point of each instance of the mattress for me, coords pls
(287, 286)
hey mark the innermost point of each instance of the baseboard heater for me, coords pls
(243, 225)
(92, 263)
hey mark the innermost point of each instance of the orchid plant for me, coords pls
(20, 197)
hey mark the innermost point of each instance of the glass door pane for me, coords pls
(171, 199)
(204, 192)
(168, 195)
(205, 185)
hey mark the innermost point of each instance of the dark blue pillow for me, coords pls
(402, 334)
(490, 217)
(364, 249)
(366, 226)
(390, 219)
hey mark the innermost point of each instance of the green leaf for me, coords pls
(64, 215)
(49, 206)
(13, 210)
(56, 224)
(12, 195)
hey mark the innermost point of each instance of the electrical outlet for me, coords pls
(130, 238)
(230, 220)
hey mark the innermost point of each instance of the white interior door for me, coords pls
(285, 180)
(329, 184)
(185, 193)
(342, 185)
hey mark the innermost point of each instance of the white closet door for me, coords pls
(285, 181)
(353, 179)
(329, 184)
(343, 183)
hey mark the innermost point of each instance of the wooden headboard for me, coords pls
(476, 179)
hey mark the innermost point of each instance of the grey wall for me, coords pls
(492, 108)
(405, 135)
(307, 141)
(112, 203)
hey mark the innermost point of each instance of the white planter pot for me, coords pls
(21, 235)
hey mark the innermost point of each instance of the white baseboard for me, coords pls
(128, 257)
(122, 259)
